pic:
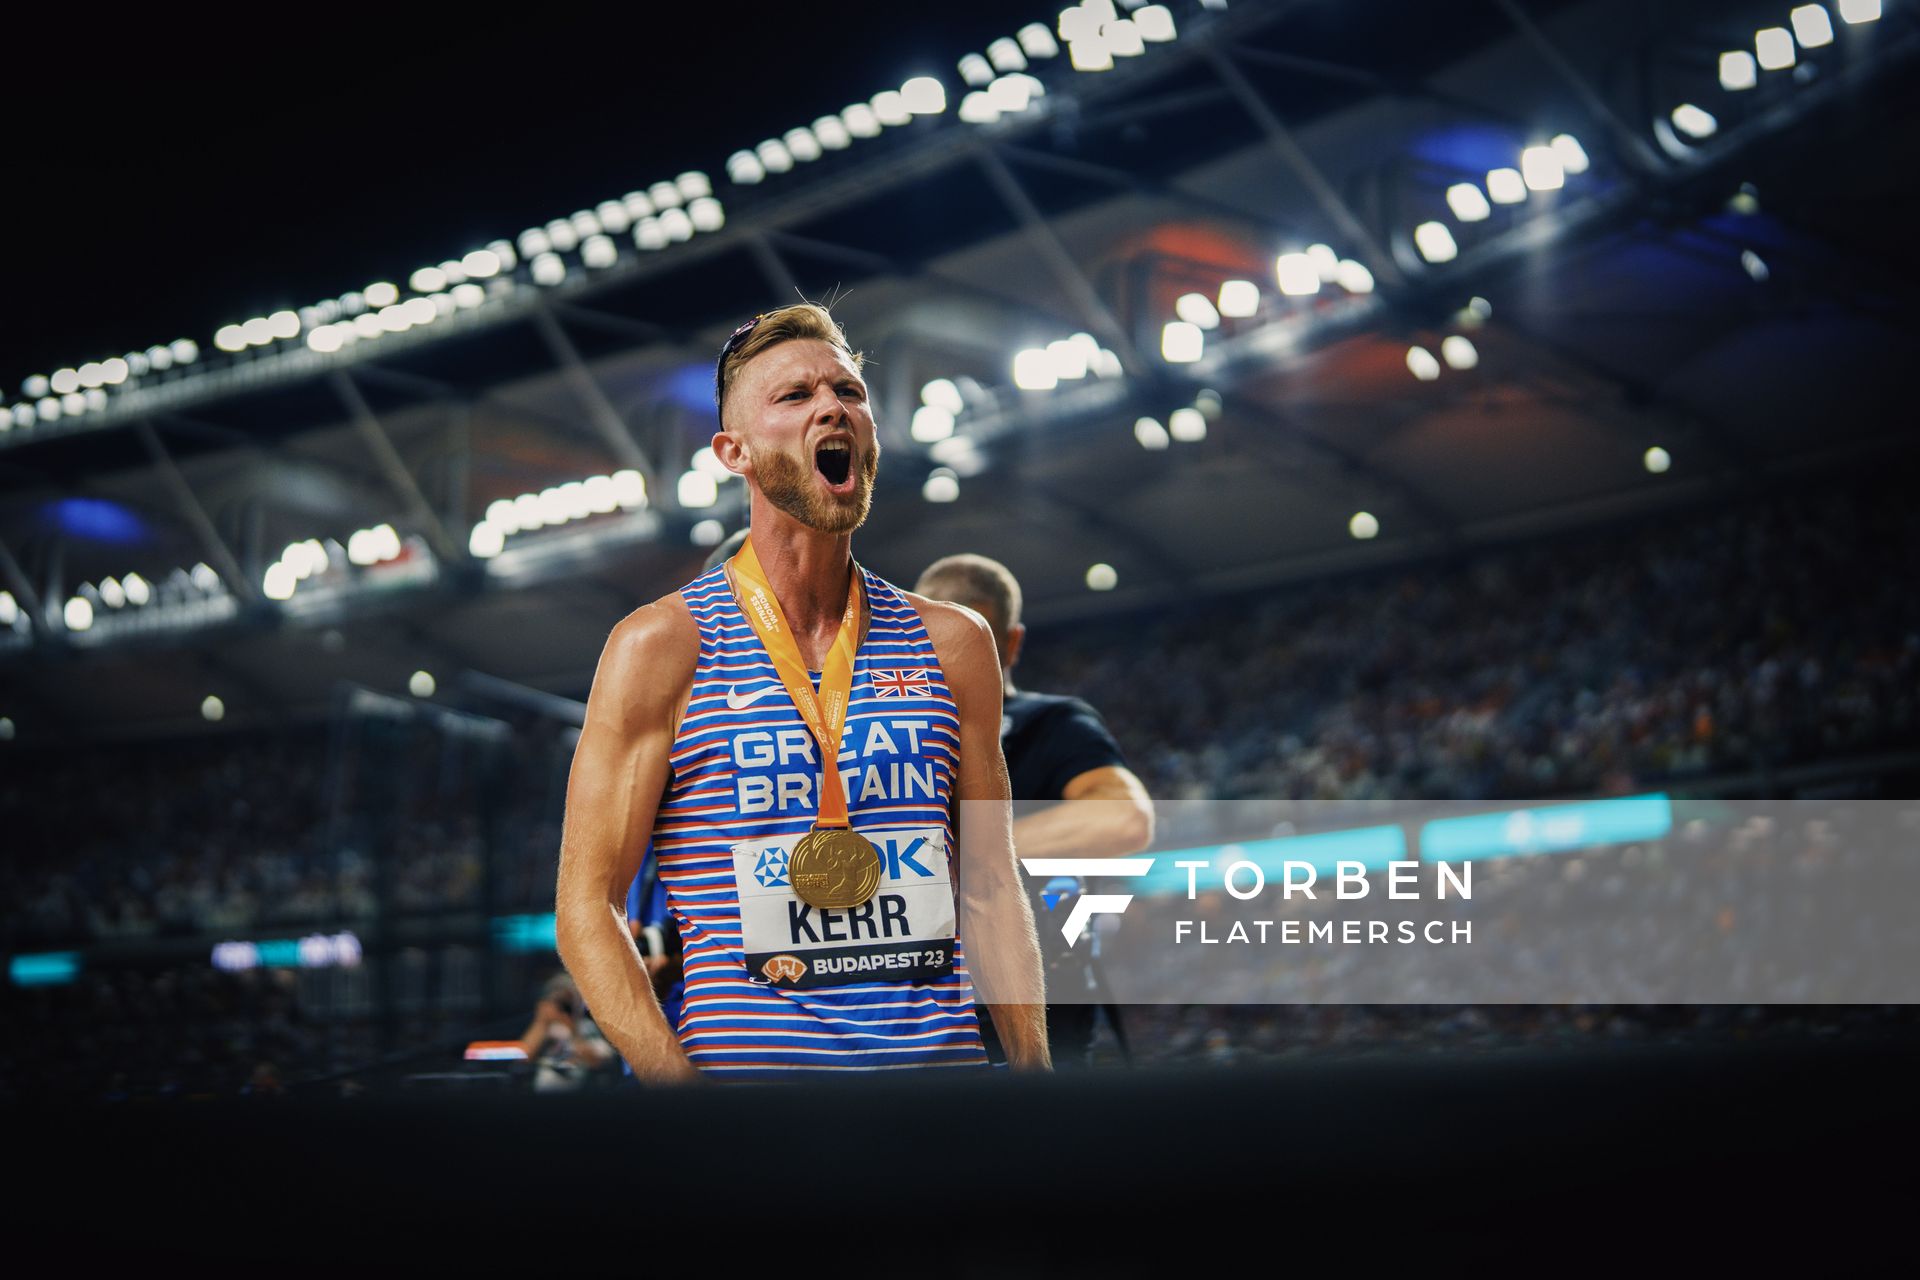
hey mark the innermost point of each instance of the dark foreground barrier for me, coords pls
(1748, 1148)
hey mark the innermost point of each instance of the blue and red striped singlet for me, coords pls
(773, 985)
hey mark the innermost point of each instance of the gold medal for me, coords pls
(833, 868)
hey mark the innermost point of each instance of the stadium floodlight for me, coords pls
(1297, 275)
(613, 216)
(693, 184)
(774, 156)
(48, 407)
(468, 296)
(975, 70)
(381, 293)
(203, 577)
(1540, 168)
(548, 270)
(1506, 186)
(1181, 342)
(924, 96)
(1068, 358)
(1005, 55)
(706, 214)
(1435, 242)
(1811, 26)
(664, 194)
(1458, 351)
(1101, 577)
(503, 515)
(1363, 525)
(832, 133)
(368, 325)
(600, 497)
(931, 423)
(1694, 121)
(697, 490)
(744, 169)
(185, 350)
(526, 511)
(961, 454)
(1325, 262)
(573, 494)
(111, 593)
(1754, 265)
(630, 489)
(159, 359)
(1077, 22)
(1155, 23)
(95, 399)
(638, 205)
(1573, 156)
(212, 708)
(1656, 460)
(861, 120)
(598, 252)
(585, 224)
(1033, 370)
(421, 684)
(1421, 364)
(889, 108)
(1150, 435)
(457, 274)
(978, 108)
(564, 238)
(326, 339)
(36, 386)
(707, 533)
(1468, 202)
(705, 459)
(91, 375)
(1773, 48)
(78, 613)
(257, 331)
(279, 581)
(554, 508)
(427, 280)
(1012, 93)
(24, 414)
(1038, 42)
(533, 242)
(420, 311)
(1090, 54)
(1197, 308)
(802, 145)
(942, 485)
(73, 404)
(138, 592)
(1855, 12)
(943, 393)
(678, 224)
(283, 325)
(1239, 299)
(1187, 425)
(1123, 38)
(229, 337)
(648, 234)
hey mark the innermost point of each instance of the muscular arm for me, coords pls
(996, 924)
(1107, 814)
(619, 774)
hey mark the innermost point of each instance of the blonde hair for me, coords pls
(801, 320)
(971, 579)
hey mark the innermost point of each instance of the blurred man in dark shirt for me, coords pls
(1057, 749)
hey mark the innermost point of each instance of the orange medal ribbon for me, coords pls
(826, 713)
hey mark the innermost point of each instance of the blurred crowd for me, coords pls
(1745, 640)
(1772, 633)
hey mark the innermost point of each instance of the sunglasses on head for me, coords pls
(731, 345)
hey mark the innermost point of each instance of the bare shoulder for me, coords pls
(647, 666)
(960, 637)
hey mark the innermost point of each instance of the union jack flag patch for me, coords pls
(902, 684)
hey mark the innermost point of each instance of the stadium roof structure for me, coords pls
(1496, 270)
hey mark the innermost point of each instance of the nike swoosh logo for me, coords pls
(738, 701)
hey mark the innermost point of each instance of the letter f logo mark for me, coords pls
(1090, 904)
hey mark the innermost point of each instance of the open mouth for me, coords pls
(834, 461)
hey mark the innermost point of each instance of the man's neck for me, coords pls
(810, 573)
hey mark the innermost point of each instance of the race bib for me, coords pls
(903, 933)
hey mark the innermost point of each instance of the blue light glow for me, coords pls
(1554, 829)
(97, 520)
(47, 969)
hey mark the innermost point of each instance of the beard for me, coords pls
(789, 484)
